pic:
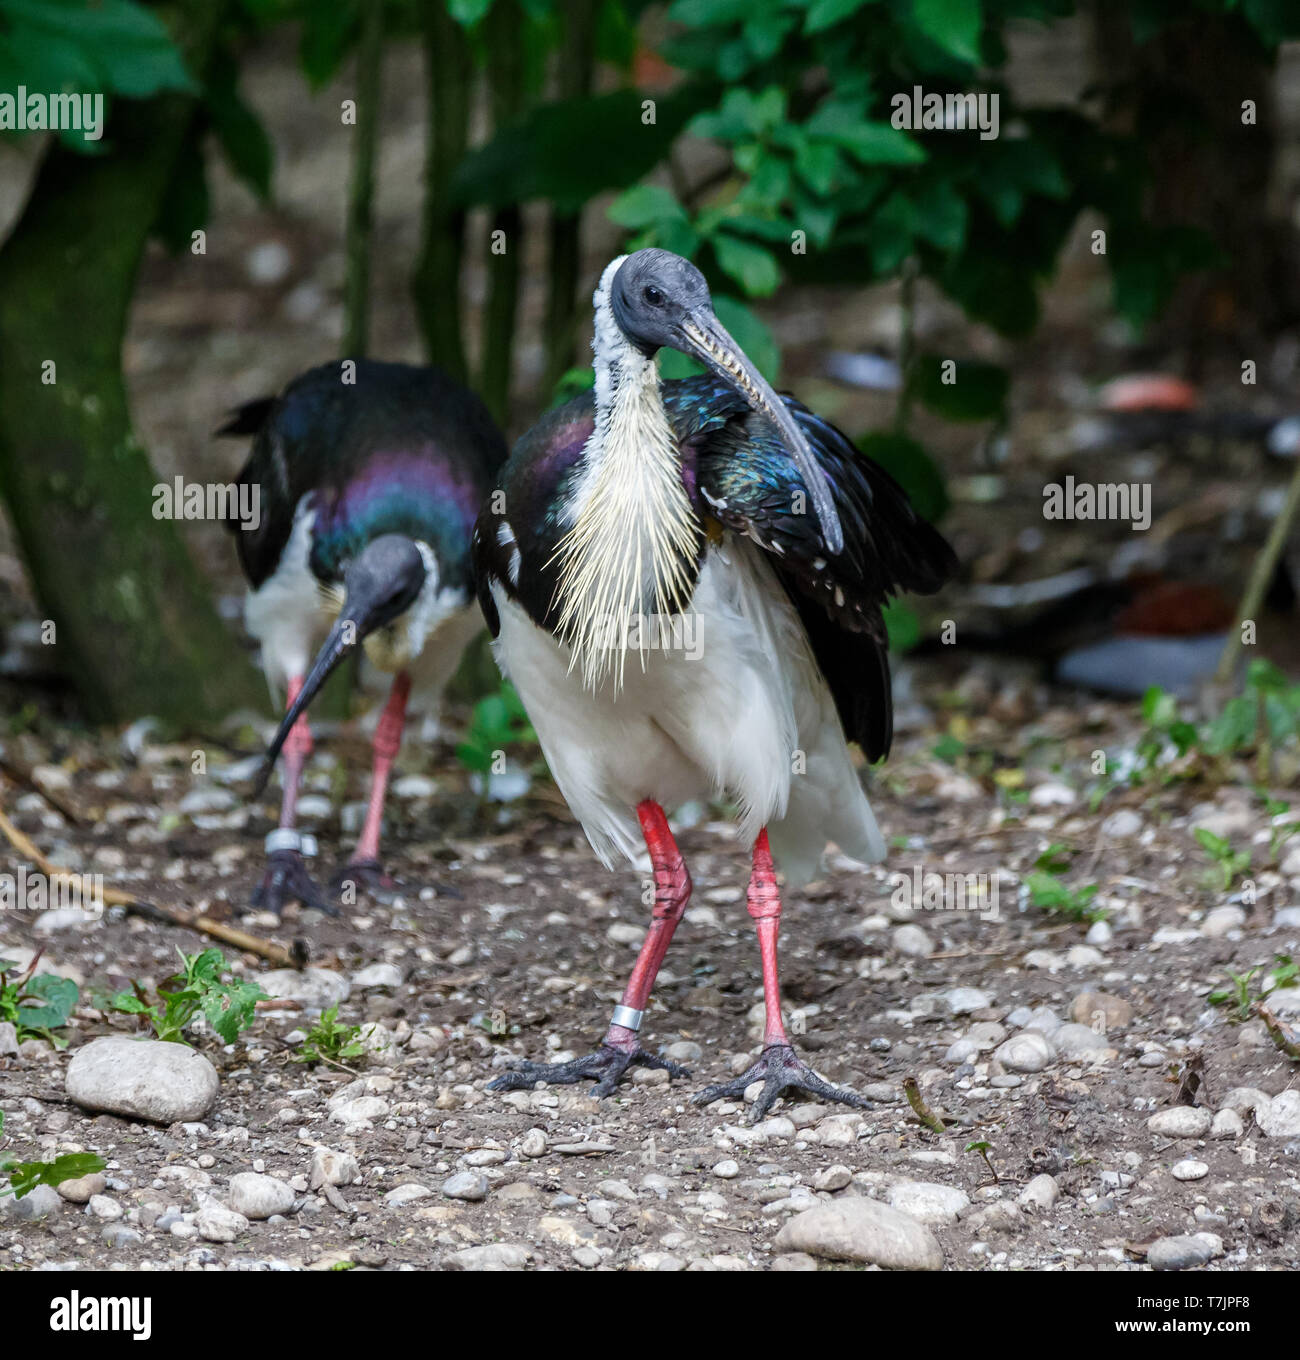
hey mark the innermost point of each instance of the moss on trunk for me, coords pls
(137, 631)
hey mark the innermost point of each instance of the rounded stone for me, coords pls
(1075, 1041)
(1028, 1051)
(1281, 1118)
(1040, 1194)
(857, 1229)
(466, 1185)
(928, 1202)
(1101, 1009)
(912, 941)
(79, 1191)
(1180, 1121)
(142, 1079)
(314, 989)
(257, 1196)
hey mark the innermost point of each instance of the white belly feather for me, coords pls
(286, 613)
(743, 713)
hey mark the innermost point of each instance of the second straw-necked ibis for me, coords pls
(685, 580)
(370, 476)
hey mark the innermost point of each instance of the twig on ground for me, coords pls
(22, 774)
(118, 897)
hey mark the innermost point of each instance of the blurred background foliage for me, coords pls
(799, 174)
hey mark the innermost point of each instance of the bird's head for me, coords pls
(382, 590)
(659, 299)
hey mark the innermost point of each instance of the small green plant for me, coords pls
(1260, 720)
(24, 1177)
(497, 722)
(1167, 737)
(1279, 832)
(328, 1041)
(983, 1149)
(229, 1007)
(1050, 894)
(1241, 998)
(36, 1004)
(1232, 864)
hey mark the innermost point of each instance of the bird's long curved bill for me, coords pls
(710, 343)
(342, 641)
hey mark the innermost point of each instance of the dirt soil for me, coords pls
(526, 941)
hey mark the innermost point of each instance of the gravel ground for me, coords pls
(1072, 1054)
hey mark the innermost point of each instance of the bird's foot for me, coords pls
(605, 1067)
(286, 880)
(366, 876)
(780, 1069)
(369, 876)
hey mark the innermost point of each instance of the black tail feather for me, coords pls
(248, 418)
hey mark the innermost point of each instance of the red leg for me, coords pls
(297, 747)
(387, 743)
(672, 893)
(620, 1049)
(286, 878)
(778, 1066)
(764, 903)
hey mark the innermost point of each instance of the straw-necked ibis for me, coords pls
(370, 476)
(685, 580)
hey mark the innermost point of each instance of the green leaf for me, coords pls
(1276, 21)
(752, 266)
(113, 46)
(710, 13)
(230, 1007)
(60, 997)
(948, 749)
(824, 14)
(467, 13)
(902, 626)
(328, 30)
(1234, 728)
(871, 143)
(953, 25)
(940, 216)
(977, 391)
(183, 207)
(912, 468)
(995, 289)
(24, 1177)
(572, 150)
(644, 206)
(238, 129)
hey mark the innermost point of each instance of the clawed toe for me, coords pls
(605, 1067)
(780, 1069)
(286, 880)
(366, 876)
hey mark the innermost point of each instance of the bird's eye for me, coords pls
(653, 296)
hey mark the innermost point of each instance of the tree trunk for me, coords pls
(573, 80)
(505, 73)
(361, 192)
(136, 629)
(435, 285)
